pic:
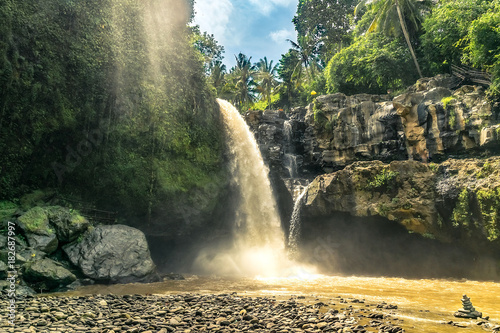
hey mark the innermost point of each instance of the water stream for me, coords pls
(424, 305)
(295, 225)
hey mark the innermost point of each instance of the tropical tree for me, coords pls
(266, 76)
(329, 19)
(391, 14)
(307, 47)
(244, 84)
(218, 76)
(288, 88)
(208, 46)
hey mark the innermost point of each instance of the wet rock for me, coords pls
(115, 253)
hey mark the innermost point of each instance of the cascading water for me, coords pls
(290, 163)
(295, 225)
(258, 239)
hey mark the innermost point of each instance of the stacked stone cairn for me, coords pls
(468, 310)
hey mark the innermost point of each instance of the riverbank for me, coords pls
(229, 312)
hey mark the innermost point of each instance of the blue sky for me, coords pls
(256, 28)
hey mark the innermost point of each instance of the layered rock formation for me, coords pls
(428, 122)
(458, 200)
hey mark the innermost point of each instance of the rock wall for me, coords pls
(429, 122)
(425, 162)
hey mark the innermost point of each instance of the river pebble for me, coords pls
(190, 313)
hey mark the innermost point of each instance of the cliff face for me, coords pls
(425, 163)
(429, 122)
(456, 201)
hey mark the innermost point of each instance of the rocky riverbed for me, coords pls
(206, 313)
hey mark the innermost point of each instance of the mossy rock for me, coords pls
(68, 223)
(36, 221)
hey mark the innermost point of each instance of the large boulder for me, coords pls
(47, 274)
(113, 253)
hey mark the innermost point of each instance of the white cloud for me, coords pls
(214, 17)
(266, 6)
(280, 36)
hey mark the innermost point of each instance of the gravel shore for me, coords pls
(197, 313)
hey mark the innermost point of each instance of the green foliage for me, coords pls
(445, 28)
(7, 209)
(208, 47)
(385, 181)
(264, 105)
(461, 215)
(329, 21)
(489, 203)
(446, 101)
(372, 64)
(116, 103)
(452, 119)
(464, 32)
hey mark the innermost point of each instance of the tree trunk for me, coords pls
(407, 37)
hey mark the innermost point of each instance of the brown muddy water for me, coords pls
(423, 305)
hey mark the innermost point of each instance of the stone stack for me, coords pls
(468, 311)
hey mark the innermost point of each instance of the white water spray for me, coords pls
(259, 245)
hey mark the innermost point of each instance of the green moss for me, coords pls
(489, 203)
(485, 171)
(434, 167)
(452, 119)
(384, 181)
(36, 220)
(446, 101)
(429, 236)
(383, 210)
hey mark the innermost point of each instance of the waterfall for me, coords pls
(258, 247)
(288, 131)
(290, 163)
(295, 224)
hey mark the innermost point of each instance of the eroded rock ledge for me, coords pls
(457, 200)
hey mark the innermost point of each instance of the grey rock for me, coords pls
(68, 224)
(115, 253)
(45, 243)
(47, 274)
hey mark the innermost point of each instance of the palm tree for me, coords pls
(308, 49)
(266, 75)
(391, 12)
(217, 75)
(242, 75)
